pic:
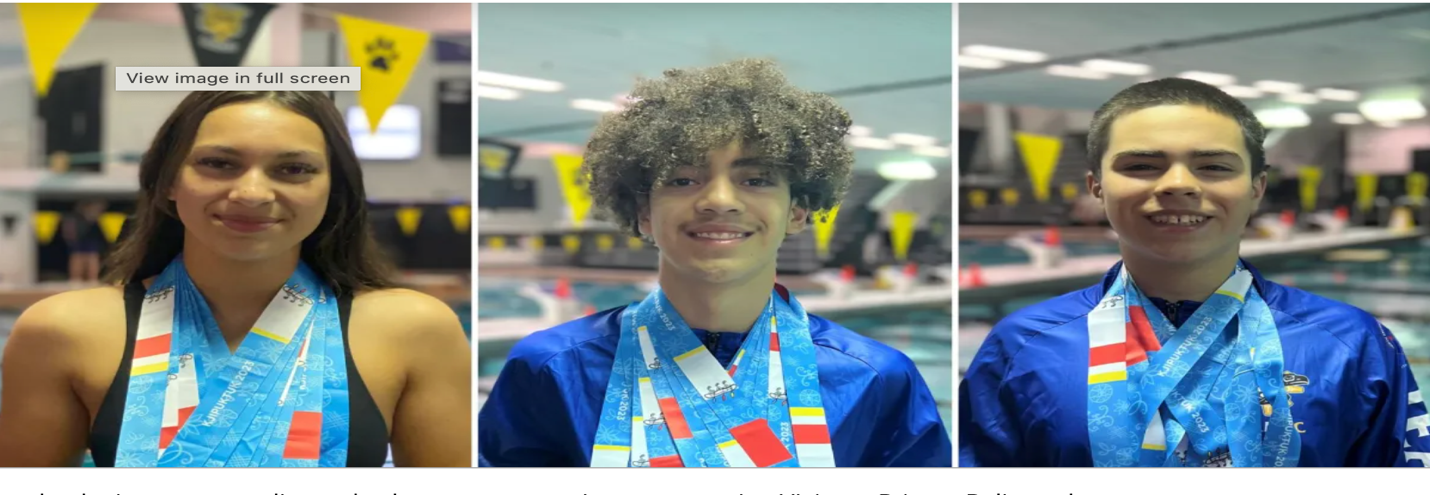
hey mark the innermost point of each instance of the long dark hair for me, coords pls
(342, 249)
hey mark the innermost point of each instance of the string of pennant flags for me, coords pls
(409, 219)
(221, 34)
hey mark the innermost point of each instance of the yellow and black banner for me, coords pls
(978, 199)
(1310, 184)
(1365, 191)
(387, 55)
(1070, 191)
(1040, 156)
(461, 216)
(571, 242)
(220, 33)
(409, 218)
(1415, 185)
(901, 232)
(111, 224)
(48, 30)
(573, 187)
(46, 224)
(824, 230)
(1009, 196)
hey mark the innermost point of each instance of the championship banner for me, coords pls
(1310, 183)
(48, 30)
(978, 199)
(220, 33)
(387, 55)
(46, 224)
(111, 224)
(1040, 156)
(1415, 185)
(461, 216)
(1365, 191)
(1010, 196)
(408, 218)
(824, 231)
(573, 187)
(901, 232)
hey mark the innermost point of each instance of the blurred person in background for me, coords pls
(85, 240)
(719, 366)
(252, 320)
(1184, 355)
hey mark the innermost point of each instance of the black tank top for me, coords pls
(367, 431)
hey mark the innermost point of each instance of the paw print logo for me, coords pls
(381, 52)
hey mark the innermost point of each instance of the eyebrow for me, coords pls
(1163, 154)
(231, 151)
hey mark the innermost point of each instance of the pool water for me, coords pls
(924, 335)
(990, 253)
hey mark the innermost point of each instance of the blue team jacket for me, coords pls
(545, 405)
(1023, 401)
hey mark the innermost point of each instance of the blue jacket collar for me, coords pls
(1257, 280)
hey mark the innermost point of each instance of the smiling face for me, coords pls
(255, 184)
(1176, 184)
(722, 222)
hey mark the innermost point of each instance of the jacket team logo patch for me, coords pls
(1295, 384)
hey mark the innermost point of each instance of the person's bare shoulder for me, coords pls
(77, 329)
(404, 312)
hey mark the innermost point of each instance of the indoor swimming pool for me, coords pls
(923, 334)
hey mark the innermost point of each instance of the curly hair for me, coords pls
(675, 121)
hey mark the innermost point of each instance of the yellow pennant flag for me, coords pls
(497, 242)
(46, 223)
(901, 232)
(605, 242)
(571, 242)
(461, 216)
(387, 55)
(824, 231)
(573, 187)
(1365, 191)
(408, 217)
(634, 243)
(1070, 191)
(1415, 185)
(1310, 183)
(1010, 196)
(978, 199)
(1040, 156)
(110, 223)
(49, 28)
(493, 159)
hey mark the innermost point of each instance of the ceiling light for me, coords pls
(1348, 119)
(979, 62)
(1242, 91)
(912, 139)
(518, 82)
(1005, 54)
(1283, 118)
(595, 105)
(859, 130)
(496, 93)
(1211, 78)
(910, 170)
(932, 151)
(1278, 87)
(1388, 123)
(1383, 110)
(872, 143)
(1301, 99)
(1337, 94)
(1075, 72)
(1116, 67)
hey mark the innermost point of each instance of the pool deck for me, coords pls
(1004, 281)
